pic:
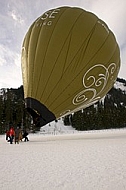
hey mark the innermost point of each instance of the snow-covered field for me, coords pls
(93, 160)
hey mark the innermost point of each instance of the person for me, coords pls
(17, 135)
(7, 136)
(20, 136)
(11, 134)
(25, 134)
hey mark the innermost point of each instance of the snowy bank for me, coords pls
(92, 160)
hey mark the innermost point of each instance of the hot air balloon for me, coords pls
(70, 60)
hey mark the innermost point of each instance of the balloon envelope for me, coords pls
(70, 60)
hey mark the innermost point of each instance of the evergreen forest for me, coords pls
(109, 112)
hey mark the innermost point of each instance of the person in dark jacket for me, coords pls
(7, 136)
(25, 134)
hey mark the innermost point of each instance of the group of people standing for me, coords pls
(16, 135)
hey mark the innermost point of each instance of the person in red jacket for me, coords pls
(11, 133)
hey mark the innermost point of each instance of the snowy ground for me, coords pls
(93, 160)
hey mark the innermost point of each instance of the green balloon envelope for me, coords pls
(70, 60)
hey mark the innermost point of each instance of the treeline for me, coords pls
(110, 112)
(105, 114)
(12, 109)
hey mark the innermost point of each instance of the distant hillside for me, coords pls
(109, 112)
(120, 84)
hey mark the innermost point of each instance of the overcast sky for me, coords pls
(16, 16)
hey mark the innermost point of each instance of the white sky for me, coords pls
(16, 16)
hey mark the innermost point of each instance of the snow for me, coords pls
(119, 85)
(72, 160)
(57, 128)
